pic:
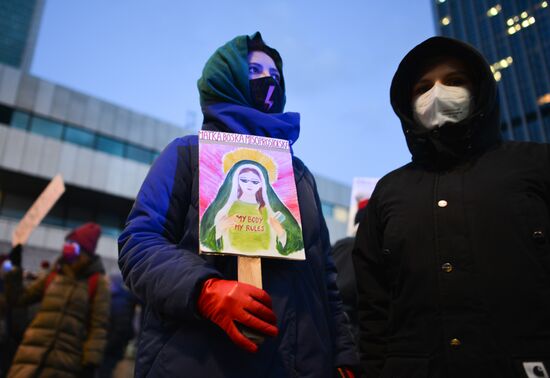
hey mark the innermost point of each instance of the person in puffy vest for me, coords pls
(67, 336)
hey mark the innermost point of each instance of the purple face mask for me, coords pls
(71, 251)
(267, 95)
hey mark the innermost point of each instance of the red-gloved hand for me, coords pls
(226, 302)
(344, 372)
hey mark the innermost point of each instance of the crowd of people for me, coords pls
(447, 276)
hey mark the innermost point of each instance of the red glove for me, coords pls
(226, 302)
(344, 372)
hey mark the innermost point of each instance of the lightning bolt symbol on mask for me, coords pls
(268, 100)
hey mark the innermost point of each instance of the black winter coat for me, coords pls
(453, 260)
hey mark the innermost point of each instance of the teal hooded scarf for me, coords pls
(225, 74)
(225, 94)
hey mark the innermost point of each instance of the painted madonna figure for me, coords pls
(247, 215)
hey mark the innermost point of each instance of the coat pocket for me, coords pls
(405, 367)
(533, 367)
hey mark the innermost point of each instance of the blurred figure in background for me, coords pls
(44, 269)
(67, 336)
(345, 280)
(13, 321)
(121, 325)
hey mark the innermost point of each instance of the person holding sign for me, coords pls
(194, 306)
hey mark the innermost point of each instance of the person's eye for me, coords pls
(275, 75)
(254, 69)
(422, 89)
(255, 182)
(244, 181)
(455, 81)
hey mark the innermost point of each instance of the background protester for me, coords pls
(121, 325)
(193, 301)
(453, 258)
(67, 336)
(342, 254)
(13, 321)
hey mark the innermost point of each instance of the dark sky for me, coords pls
(339, 59)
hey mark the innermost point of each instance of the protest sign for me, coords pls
(248, 204)
(38, 211)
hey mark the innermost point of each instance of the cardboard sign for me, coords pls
(361, 189)
(38, 211)
(248, 204)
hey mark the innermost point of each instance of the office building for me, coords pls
(514, 36)
(19, 26)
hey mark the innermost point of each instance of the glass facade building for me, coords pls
(514, 37)
(19, 24)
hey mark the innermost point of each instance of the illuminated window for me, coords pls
(440, 1)
(500, 65)
(493, 11)
(544, 4)
(531, 20)
(523, 14)
(445, 21)
(543, 100)
(510, 22)
(340, 214)
(511, 30)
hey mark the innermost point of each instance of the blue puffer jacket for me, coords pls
(160, 262)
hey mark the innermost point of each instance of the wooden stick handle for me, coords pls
(250, 270)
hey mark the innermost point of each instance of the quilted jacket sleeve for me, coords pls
(99, 319)
(17, 295)
(158, 269)
(372, 292)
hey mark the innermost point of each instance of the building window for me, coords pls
(78, 215)
(327, 209)
(446, 21)
(110, 146)
(79, 136)
(493, 11)
(15, 206)
(56, 216)
(110, 224)
(340, 214)
(20, 120)
(5, 115)
(139, 154)
(46, 127)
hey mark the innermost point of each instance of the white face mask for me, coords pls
(442, 104)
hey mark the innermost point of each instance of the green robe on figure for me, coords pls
(227, 203)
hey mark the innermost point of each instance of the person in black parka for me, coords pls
(193, 306)
(453, 258)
